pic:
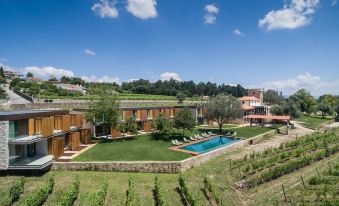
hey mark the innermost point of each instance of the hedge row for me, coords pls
(38, 197)
(159, 195)
(210, 187)
(100, 197)
(68, 197)
(186, 192)
(16, 189)
(130, 194)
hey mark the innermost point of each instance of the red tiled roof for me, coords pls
(248, 98)
(268, 117)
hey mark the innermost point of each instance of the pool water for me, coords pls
(210, 144)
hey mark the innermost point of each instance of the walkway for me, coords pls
(274, 141)
(14, 98)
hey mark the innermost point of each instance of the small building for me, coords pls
(32, 139)
(12, 74)
(71, 87)
(33, 79)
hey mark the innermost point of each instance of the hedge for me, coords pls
(68, 197)
(15, 191)
(38, 197)
(186, 192)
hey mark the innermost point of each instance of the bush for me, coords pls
(71, 194)
(159, 195)
(15, 191)
(130, 199)
(100, 197)
(187, 194)
(210, 187)
(38, 197)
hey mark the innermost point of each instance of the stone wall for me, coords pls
(158, 166)
(4, 154)
(140, 166)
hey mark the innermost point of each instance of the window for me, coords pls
(17, 128)
(148, 114)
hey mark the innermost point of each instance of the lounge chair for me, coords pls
(192, 138)
(228, 133)
(205, 135)
(185, 140)
(177, 142)
(235, 133)
(199, 137)
(210, 133)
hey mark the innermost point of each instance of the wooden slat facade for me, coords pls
(76, 120)
(147, 126)
(143, 115)
(31, 126)
(62, 122)
(43, 126)
(115, 132)
(56, 146)
(73, 140)
(86, 136)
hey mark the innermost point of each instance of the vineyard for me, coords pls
(300, 172)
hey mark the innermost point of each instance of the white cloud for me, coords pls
(143, 9)
(169, 75)
(89, 52)
(294, 14)
(107, 79)
(308, 81)
(6, 67)
(210, 15)
(106, 9)
(334, 2)
(48, 71)
(238, 32)
(211, 8)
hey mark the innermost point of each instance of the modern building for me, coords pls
(32, 139)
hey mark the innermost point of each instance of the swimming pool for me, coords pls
(210, 144)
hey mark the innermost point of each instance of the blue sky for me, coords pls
(276, 44)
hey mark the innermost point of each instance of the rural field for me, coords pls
(261, 176)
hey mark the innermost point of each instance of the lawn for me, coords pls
(248, 131)
(225, 126)
(313, 122)
(132, 149)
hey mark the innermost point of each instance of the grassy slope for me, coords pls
(313, 122)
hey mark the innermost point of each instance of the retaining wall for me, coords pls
(157, 166)
(4, 155)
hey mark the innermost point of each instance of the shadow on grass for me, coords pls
(108, 141)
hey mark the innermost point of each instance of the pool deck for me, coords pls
(178, 147)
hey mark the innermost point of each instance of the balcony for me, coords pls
(30, 163)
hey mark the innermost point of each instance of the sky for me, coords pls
(279, 44)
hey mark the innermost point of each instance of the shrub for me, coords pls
(15, 191)
(130, 199)
(71, 194)
(186, 192)
(210, 187)
(100, 196)
(38, 197)
(159, 195)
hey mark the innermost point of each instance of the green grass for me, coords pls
(225, 126)
(248, 131)
(313, 121)
(132, 149)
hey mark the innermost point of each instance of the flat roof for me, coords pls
(268, 117)
(26, 114)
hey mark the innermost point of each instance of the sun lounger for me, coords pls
(192, 138)
(210, 133)
(204, 135)
(177, 142)
(234, 134)
(185, 140)
(198, 137)
(228, 133)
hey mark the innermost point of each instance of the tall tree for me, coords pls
(162, 126)
(181, 96)
(3, 94)
(2, 73)
(325, 109)
(130, 125)
(104, 111)
(276, 110)
(184, 120)
(223, 109)
(304, 100)
(29, 74)
(272, 97)
(329, 100)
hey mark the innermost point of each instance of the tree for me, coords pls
(337, 109)
(325, 109)
(291, 109)
(3, 94)
(184, 120)
(272, 97)
(2, 73)
(104, 111)
(162, 127)
(223, 109)
(181, 96)
(329, 100)
(276, 110)
(304, 100)
(130, 125)
(29, 74)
